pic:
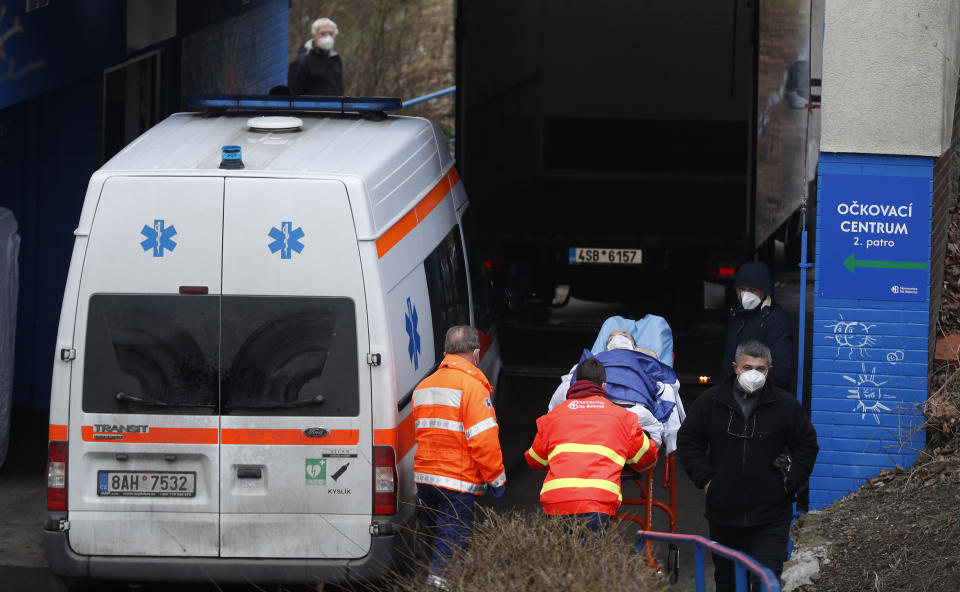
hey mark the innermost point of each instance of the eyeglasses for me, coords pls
(744, 434)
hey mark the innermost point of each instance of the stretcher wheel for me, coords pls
(673, 563)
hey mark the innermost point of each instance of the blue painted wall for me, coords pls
(869, 356)
(51, 125)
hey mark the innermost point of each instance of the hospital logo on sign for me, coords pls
(316, 471)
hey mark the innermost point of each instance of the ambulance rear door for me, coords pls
(143, 462)
(296, 457)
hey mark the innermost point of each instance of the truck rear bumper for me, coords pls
(383, 557)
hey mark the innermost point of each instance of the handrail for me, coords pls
(742, 562)
(428, 97)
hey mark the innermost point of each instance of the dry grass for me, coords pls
(528, 552)
(901, 530)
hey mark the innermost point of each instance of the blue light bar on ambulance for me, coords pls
(294, 103)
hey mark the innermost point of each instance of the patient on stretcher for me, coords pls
(636, 378)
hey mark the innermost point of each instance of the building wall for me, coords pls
(869, 355)
(51, 128)
(242, 55)
(890, 73)
(48, 150)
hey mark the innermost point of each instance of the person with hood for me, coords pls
(750, 446)
(317, 69)
(757, 316)
(583, 445)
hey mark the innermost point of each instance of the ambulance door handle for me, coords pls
(170, 457)
(248, 474)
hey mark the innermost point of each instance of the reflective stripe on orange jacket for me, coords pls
(584, 444)
(458, 443)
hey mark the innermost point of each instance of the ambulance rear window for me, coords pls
(289, 356)
(151, 354)
(235, 355)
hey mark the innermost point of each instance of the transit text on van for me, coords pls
(121, 429)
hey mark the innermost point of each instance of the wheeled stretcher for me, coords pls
(653, 333)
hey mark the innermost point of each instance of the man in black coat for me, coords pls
(750, 446)
(317, 69)
(757, 316)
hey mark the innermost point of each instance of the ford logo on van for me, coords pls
(316, 432)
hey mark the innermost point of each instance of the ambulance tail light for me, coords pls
(57, 476)
(384, 480)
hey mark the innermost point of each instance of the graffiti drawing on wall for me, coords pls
(868, 393)
(12, 72)
(895, 356)
(852, 336)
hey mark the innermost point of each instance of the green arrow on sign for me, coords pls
(852, 263)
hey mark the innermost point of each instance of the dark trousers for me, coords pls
(595, 521)
(766, 543)
(447, 518)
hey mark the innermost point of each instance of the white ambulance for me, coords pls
(251, 301)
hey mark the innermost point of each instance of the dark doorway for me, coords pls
(134, 100)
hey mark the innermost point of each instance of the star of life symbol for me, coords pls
(158, 238)
(868, 394)
(413, 345)
(286, 239)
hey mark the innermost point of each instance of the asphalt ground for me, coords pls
(538, 347)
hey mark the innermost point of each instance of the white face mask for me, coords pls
(325, 42)
(749, 300)
(619, 342)
(752, 380)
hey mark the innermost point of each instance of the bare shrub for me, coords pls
(529, 552)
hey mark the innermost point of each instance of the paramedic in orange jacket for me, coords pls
(458, 448)
(583, 444)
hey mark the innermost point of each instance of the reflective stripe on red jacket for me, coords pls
(458, 444)
(584, 444)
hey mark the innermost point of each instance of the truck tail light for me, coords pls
(57, 476)
(384, 480)
(496, 264)
(720, 270)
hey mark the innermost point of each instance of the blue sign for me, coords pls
(874, 237)
(413, 345)
(286, 239)
(158, 238)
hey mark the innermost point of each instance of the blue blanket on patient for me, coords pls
(633, 376)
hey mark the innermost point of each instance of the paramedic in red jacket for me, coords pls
(458, 447)
(583, 444)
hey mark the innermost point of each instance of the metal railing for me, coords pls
(743, 563)
(433, 95)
